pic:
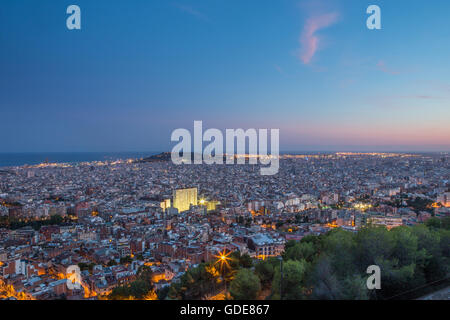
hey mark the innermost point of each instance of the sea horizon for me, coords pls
(17, 159)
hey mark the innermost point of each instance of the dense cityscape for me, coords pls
(139, 229)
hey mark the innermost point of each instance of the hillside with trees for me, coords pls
(413, 261)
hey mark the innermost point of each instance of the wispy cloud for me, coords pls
(190, 10)
(424, 97)
(381, 65)
(407, 101)
(278, 68)
(308, 38)
(421, 97)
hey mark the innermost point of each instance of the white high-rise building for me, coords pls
(183, 198)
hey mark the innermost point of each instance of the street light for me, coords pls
(281, 278)
(222, 259)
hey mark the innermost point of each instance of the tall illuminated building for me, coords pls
(165, 204)
(211, 205)
(183, 198)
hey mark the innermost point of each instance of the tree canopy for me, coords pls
(334, 266)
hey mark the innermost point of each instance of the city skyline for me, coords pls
(156, 226)
(134, 73)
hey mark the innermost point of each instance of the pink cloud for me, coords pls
(381, 65)
(424, 97)
(278, 68)
(309, 40)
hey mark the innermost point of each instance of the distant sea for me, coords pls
(33, 158)
(30, 158)
(20, 159)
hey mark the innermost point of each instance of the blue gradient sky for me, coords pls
(139, 69)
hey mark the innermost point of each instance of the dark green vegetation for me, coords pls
(14, 223)
(245, 286)
(211, 278)
(137, 290)
(85, 266)
(419, 204)
(413, 260)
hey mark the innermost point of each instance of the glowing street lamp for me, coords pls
(223, 258)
